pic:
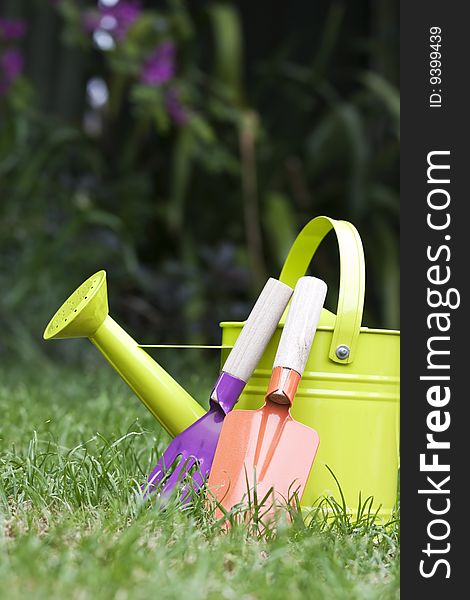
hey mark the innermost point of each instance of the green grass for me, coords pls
(75, 445)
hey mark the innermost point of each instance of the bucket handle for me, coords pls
(352, 279)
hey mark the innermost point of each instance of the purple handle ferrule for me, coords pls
(226, 391)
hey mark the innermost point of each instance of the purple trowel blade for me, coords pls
(195, 447)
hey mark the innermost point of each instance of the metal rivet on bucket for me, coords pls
(342, 352)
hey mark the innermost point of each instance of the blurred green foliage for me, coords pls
(290, 112)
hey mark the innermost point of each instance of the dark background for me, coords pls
(294, 112)
(424, 130)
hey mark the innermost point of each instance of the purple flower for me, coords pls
(160, 65)
(125, 13)
(12, 29)
(175, 107)
(12, 63)
(116, 20)
(11, 66)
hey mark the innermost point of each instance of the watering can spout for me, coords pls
(85, 314)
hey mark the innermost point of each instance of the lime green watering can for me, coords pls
(85, 314)
(349, 392)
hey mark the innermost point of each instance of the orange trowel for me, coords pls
(266, 451)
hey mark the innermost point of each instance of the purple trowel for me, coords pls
(189, 456)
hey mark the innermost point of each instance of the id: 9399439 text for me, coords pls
(435, 67)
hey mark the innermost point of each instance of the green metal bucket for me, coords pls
(349, 392)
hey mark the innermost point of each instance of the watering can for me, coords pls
(85, 314)
(349, 392)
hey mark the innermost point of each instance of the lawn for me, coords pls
(75, 445)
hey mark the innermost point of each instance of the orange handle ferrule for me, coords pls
(283, 385)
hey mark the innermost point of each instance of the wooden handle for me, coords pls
(301, 324)
(258, 330)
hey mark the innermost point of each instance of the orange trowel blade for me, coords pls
(266, 449)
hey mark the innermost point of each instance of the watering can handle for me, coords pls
(352, 279)
(258, 330)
